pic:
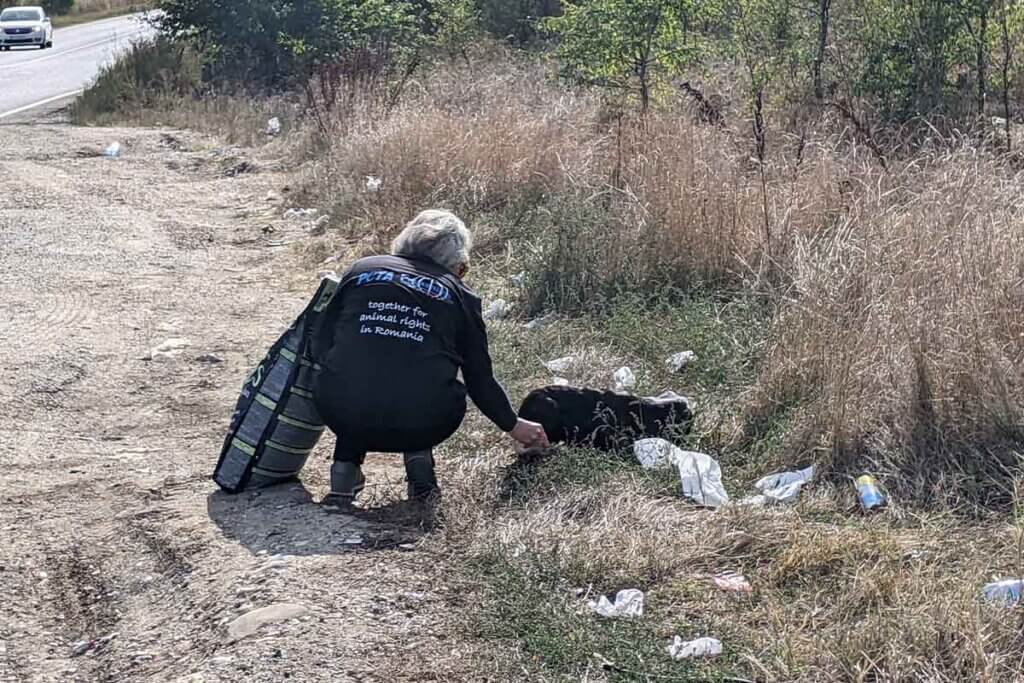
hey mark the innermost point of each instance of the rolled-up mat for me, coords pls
(276, 425)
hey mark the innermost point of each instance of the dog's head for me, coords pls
(668, 411)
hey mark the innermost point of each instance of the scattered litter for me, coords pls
(1006, 593)
(353, 540)
(701, 478)
(174, 344)
(628, 603)
(274, 127)
(624, 380)
(653, 453)
(300, 213)
(373, 183)
(168, 350)
(81, 647)
(321, 224)
(677, 361)
(732, 582)
(702, 647)
(540, 322)
(785, 486)
(519, 279)
(113, 151)
(753, 501)
(868, 494)
(699, 474)
(560, 365)
(251, 622)
(497, 310)
(560, 382)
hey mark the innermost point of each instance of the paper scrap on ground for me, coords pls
(373, 183)
(699, 474)
(677, 361)
(540, 322)
(623, 380)
(560, 365)
(785, 486)
(701, 647)
(628, 603)
(497, 310)
(732, 582)
(274, 127)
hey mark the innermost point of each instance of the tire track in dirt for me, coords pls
(110, 522)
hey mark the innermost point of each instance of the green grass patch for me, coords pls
(556, 637)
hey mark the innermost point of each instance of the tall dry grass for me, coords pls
(897, 343)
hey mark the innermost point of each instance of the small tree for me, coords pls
(627, 46)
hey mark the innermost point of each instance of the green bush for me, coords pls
(58, 7)
(516, 20)
(280, 42)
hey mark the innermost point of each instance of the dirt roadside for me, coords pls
(119, 560)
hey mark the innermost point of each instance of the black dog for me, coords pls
(603, 419)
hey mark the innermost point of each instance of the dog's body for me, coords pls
(603, 419)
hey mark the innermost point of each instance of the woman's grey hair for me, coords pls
(437, 235)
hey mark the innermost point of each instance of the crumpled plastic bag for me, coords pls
(677, 361)
(1006, 593)
(699, 474)
(701, 647)
(732, 582)
(623, 380)
(273, 127)
(628, 603)
(701, 478)
(497, 310)
(654, 453)
(784, 487)
(560, 365)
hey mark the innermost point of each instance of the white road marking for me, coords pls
(41, 103)
(109, 39)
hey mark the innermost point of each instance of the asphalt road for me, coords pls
(32, 79)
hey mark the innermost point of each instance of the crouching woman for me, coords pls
(403, 327)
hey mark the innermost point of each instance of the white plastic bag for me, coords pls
(654, 453)
(274, 127)
(628, 603)
(699, 474)
(113, 151)
(497, 310)
(701, 477)
(785, 486)
(560, 365)
(623, 380)
(702, 647)
(677, 361)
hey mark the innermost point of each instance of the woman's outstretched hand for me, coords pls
(529, 434)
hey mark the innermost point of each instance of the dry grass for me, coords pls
(897, 337)
(858, 317)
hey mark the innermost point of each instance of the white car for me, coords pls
(25, 26)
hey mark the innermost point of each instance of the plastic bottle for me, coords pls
(1007, 592)
(868, 494)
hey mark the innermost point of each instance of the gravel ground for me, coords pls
(120, 561)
